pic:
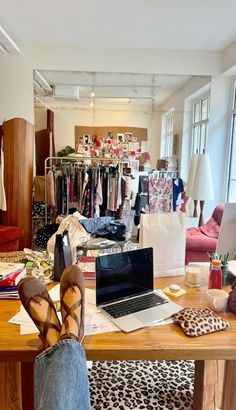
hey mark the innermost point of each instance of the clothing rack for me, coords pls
(48, 165)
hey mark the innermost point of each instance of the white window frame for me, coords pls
(232, 142)
(200, 146)
(167, 134)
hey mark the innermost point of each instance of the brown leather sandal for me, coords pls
(31, 288)
(72, 276)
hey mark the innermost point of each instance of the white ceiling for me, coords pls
(109, 88)
(158, 24)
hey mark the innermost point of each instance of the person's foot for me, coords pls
(37, 302)
(72, 303)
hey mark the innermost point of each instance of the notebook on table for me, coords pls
(125, 292)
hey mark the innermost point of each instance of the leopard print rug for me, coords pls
(142, 385)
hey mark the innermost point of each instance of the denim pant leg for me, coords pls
(61, 379)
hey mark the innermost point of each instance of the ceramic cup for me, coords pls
(217, 299)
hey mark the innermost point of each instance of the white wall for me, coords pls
(16, 91)
(66, 119)
(228, 64)
(180, 115)
(218, 132)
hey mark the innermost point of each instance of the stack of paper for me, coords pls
(10, 275)
(95, 322)
(87, 266)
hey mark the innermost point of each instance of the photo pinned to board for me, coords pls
(86, 139)
(128, 136)
(120, 136)
(125, 147)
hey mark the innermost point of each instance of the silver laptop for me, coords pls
(124, 290)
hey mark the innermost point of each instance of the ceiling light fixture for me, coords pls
(12, 42)
(43, 80)
(92, 94)
(91, 104)
(39, 85)
(76, 92)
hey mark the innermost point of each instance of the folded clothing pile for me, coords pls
(105, 227)
(92, 224)
(113, 230)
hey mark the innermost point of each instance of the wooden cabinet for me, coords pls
(44, 143)
(18, 140)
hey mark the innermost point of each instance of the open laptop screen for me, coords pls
(124, 274)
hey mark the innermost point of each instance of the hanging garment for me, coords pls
(93, 190)
(142, 197)
(50, 189)
(39, 188)
(59, 193)
(99, 197)
(160, 194)
(178, 188)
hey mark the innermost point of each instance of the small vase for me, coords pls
(225, 275)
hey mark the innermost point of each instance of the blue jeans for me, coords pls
(61, 379)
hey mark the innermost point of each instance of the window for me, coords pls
(232, 165)
(167, 135)
(200, 125)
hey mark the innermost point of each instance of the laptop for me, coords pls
(124, 290)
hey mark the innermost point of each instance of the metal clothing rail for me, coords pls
(48, 164)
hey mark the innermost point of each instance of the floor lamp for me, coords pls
(190, 180)
(202, 187)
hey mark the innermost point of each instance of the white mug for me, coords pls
(217, 299)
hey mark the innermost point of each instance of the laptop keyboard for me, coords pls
(130, 306)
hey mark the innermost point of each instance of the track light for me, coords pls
(39, 85)
(92, 94)
(91, 104)
(43, 80)
(130, 101)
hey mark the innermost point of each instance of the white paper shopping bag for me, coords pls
(166, 234)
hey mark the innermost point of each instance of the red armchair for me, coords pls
(9, 238)
(201, 240)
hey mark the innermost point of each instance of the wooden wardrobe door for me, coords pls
(18, 137)
(44, 144)
(42, 149)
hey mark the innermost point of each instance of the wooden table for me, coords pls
(168, 342)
